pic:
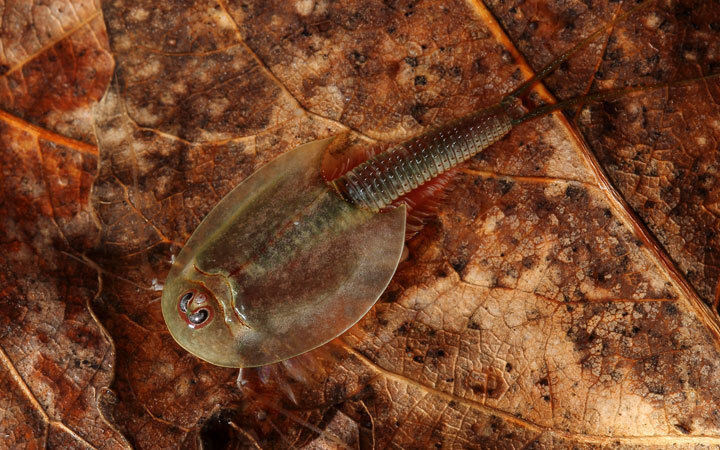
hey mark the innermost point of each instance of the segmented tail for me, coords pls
(380, 180)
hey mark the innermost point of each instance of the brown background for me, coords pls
(564, 295)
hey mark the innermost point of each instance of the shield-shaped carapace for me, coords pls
(281, 265)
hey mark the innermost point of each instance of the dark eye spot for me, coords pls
(198, 317)
(184, 300)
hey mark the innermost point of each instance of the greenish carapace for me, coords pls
(280, 266)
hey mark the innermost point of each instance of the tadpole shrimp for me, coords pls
(288, 261)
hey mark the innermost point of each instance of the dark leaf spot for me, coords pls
(411, 61)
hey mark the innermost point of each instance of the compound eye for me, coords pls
(190, 309)
(199, 317)
(184, 300)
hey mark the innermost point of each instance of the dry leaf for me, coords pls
(535, 309)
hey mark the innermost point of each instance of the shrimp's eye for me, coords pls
(184, 300)
(199, 317)
(190, 309)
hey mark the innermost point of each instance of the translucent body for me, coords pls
(281, 265)
(286, 261)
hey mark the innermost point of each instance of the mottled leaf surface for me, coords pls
(660, 149)
(564, 295)
(54, 355)
(54, 63)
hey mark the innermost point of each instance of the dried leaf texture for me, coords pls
(54, 63)
(535, 309)
(55, 356)
(659, 149)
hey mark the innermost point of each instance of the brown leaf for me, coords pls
(54, 354)
(659, 149)
(536, 309)
(55, 63)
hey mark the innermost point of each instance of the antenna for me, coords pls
(606, 95)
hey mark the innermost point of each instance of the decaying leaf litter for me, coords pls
(429, 260)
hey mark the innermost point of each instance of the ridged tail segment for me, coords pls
(384, 178)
